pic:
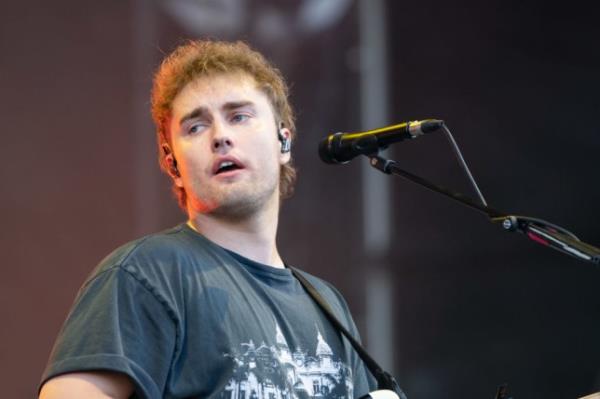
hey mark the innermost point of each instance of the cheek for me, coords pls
(190, 154)
(272, 145)
(270, 153)
(190, 165)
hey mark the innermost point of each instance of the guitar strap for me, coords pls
(384, 379)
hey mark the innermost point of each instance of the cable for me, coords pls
(463, 164)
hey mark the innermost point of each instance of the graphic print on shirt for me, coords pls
(275, 372)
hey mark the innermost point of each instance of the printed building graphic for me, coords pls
(276, 373)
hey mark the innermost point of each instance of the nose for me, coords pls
(221, 143)
(221, 140)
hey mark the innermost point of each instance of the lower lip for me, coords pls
(229, 174)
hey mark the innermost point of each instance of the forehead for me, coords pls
(214, 90)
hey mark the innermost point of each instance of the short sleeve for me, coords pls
(119, 324)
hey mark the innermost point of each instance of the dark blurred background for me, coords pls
(450, 303)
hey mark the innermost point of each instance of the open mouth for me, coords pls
(226, 166)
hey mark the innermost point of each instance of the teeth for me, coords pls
(225, 164)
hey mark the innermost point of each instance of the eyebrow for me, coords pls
(201, 111)
(195, 113)
(236, 104)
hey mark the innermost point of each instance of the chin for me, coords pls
(237, 203)
(246, 203)
(235, 211)
(239, 207)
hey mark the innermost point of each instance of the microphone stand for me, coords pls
(537, 230)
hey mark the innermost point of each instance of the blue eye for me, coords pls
(195, 128)
(238, 118)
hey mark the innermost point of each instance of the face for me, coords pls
(225, 142)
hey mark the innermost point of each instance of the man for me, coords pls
(209, 308)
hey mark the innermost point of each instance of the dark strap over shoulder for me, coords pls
(384, 379)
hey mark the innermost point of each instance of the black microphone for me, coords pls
(342, 147)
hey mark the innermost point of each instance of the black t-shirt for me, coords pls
(184, 317)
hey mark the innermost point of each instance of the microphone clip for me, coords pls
(380, 163)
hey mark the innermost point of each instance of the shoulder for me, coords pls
(169, 251)
(162, 264)
(157, 246)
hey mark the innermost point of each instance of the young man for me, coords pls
(209, 308)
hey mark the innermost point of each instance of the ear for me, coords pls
(285, 140)
(173, 171)
(171, 162)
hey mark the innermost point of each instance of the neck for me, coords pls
(253, 236)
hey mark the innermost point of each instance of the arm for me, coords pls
(113, 322)
(93, 385)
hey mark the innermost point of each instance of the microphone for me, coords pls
(340, 148)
